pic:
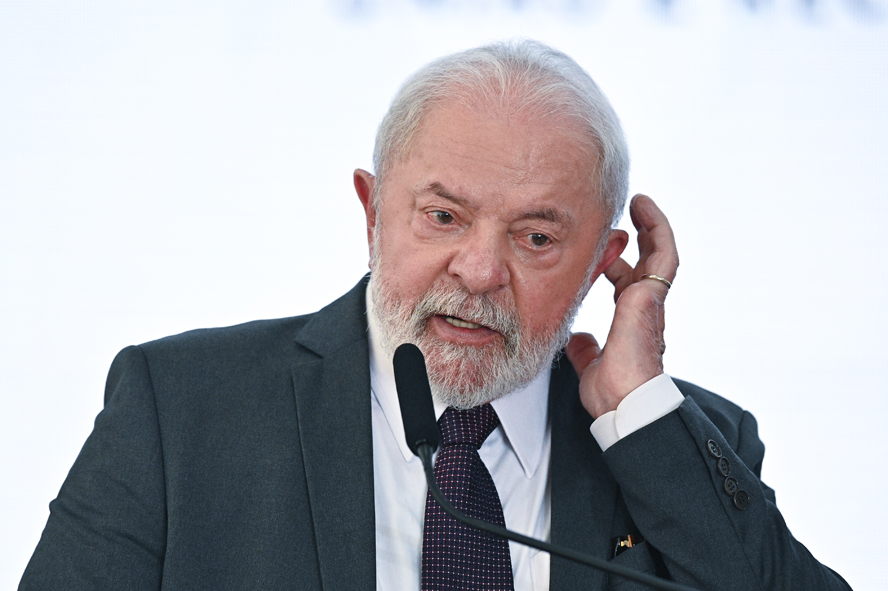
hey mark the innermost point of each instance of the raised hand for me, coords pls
(633, 353)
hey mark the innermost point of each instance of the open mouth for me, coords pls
(459, 322)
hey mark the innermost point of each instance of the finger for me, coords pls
(621, 274)
(658, 254)
(582, 349)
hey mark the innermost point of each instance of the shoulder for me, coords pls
(252, 344)
(211, 358)
(258, 338)
(293, 339)
(245, 357)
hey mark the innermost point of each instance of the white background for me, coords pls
(166, 166)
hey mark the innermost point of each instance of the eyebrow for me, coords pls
(439, 190)
(549, 214)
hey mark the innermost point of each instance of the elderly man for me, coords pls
(272, 455)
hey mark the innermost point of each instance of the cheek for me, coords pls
(543, 299)
(409, 268)
(539, 305)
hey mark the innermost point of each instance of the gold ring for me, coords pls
(658, 278)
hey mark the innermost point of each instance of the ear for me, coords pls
(616, 244)
(364, 183)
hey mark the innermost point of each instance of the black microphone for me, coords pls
(423, 437)
(415, 398)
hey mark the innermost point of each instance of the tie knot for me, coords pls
(467, 427)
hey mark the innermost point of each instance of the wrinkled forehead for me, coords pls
(501, 132)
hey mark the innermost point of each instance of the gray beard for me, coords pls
(465, 376)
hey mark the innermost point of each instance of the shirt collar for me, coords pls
(523, 413)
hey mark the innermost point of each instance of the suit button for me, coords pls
(724, 466)
(731, 486)
(741, 499)
(714, 450)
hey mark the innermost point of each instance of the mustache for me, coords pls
(481, 309)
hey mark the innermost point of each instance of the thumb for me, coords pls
(582, 349)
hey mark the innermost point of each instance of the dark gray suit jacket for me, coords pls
(240, 458)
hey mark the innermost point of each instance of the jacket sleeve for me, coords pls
(107, 527)
(694, 491)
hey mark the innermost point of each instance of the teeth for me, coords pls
(461, 323)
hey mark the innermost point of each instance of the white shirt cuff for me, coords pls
(650, 401)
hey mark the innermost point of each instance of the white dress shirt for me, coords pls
(516, 454)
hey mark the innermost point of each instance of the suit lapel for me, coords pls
(333, 412)
(584, 494)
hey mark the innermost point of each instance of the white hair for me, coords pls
(527, 77)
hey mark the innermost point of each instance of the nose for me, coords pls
(480, 263)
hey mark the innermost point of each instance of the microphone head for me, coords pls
(415, 398)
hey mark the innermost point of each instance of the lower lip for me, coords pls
(466, 336)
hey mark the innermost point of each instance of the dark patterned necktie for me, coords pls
(456, 556)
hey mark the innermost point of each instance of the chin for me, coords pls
(465, 377)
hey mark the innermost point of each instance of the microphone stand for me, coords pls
(425, 451)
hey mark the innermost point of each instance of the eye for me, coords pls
(539, 239)
(442, 217)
